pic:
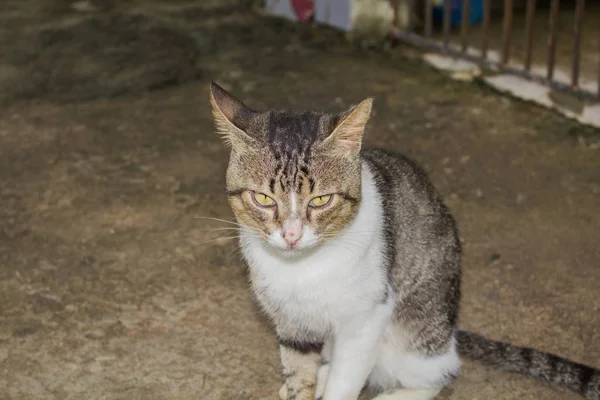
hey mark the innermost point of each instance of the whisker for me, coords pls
(235, 249)
(223, 238)
(220, 238)
(252, 231)
(221, 220)
(359, 232)
(345, 236)
(238, 225)
(338, 237)
(232, 228)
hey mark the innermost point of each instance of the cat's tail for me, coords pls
(549, 368)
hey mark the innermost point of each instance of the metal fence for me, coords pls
(424, 38)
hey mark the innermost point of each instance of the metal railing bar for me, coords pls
(575, 70)
(508, 17)
(447, 16)
(552, 22)
(529, 34)
(464, 25)
(598, 73)
(428, 18)
(487, 18)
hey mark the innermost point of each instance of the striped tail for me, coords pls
(549, 368)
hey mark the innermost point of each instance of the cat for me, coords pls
(355, 259)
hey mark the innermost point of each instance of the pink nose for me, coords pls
(291, 239)
(292, 232)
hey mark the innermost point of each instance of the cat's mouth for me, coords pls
(288, 249)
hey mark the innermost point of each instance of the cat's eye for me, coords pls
(320, 201)
(262, 200)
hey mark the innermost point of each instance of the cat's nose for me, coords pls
(292, 231)
(291, 238)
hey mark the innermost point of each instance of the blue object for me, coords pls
(475, 14)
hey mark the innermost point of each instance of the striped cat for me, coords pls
(356, 260)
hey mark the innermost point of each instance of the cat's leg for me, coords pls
(409, 394)
(300, 367)
(404, 373)
(355, 351)
(323, 373)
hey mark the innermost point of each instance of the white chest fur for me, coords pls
(319, 290)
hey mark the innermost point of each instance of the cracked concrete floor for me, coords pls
(112, 287)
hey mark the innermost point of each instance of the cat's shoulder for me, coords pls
(387, 160)
(396, 175)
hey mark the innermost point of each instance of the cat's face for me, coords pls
(294, 179)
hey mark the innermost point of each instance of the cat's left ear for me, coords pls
(232, 117)
(347, 134)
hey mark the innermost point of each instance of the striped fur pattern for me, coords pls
(367, 293)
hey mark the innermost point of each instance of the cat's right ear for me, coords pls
(232, 118)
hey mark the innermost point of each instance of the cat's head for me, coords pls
(294, 178)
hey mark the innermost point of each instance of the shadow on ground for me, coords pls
(113, 287)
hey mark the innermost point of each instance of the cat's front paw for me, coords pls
(283, 392)
(297, 393)
(318, 392)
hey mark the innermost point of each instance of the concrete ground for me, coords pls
(114, 286)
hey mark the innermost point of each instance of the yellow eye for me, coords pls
(262, 200)
(320, 201)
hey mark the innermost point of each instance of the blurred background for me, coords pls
(115, 285)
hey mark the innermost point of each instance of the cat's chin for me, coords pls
(295, 252)
(291, 253)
